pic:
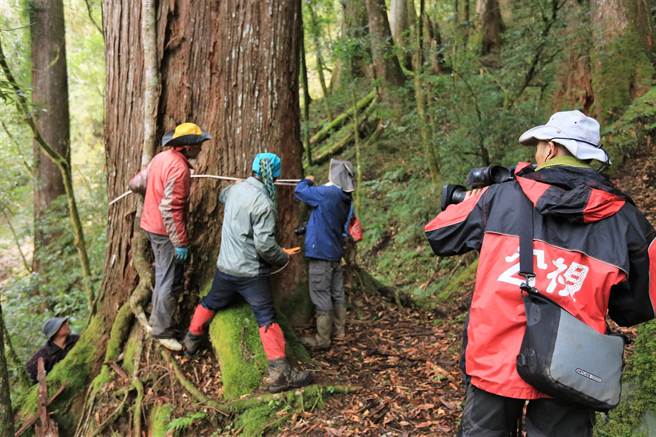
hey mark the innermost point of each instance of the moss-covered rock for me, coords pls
(236, 342)
(636, 414)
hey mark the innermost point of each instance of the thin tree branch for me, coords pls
(14, 234)
(65, 169)
(93, 21)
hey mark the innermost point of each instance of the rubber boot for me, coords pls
(324, 330)
(340, 321)
(283, 377)
(194, 336)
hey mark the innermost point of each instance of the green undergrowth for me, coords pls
(397, 199)
(632, 130)
(636, 414)
(159, 420)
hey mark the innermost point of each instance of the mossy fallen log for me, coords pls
(341, 119)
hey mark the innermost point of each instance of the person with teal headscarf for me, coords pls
(248, 251)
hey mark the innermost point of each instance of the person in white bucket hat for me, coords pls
(573, 130)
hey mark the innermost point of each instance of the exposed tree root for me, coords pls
(115, 414)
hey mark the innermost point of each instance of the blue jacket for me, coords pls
(329, 210)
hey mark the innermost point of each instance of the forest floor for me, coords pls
(406, 363)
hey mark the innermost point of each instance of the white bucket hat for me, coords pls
(574, 130)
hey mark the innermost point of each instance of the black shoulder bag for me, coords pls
(560, 355)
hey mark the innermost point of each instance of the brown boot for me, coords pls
(340, 321)
(324, 329)
(283, 377)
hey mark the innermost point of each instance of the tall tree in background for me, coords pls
(623, 43)
(50, 102)
(352, 64)
(402, 19)
(386, 65)
(490, 25)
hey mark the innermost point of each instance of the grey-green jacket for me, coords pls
(248, 235)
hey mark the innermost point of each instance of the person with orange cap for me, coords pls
(165, 183)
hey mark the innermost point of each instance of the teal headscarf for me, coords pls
(267, 166)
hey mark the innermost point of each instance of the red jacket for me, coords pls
(167, 189)
(594, 253)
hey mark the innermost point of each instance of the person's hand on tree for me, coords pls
(291, 250)
(181, 255)
(310, 178)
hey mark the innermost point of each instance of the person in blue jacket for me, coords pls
(330, 206)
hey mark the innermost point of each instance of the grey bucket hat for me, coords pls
(342, 175)
(52, 325)
(575, 131)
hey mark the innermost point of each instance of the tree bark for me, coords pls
(622, 41)
(490, 26)
(354, 30)
(402, 20)
(386, 65)
(315, 32)
(51, 113)
(6, 412)
(307, 100)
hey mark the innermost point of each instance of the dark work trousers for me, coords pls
(169, 281)
(326, 284)
(255, 291)
(488, 415)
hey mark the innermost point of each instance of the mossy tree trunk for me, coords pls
(351, 64)
(386, 65)
(622, 41)
(238, 78)
(6, 412)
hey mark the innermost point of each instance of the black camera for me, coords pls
(477, 178)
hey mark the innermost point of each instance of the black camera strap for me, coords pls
(526, 245)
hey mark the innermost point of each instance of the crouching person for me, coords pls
(60, 342)
(324, 240)
(248, 250)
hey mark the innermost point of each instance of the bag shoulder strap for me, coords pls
(526, 232)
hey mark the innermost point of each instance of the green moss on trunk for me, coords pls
(236, 341)
(621, 71)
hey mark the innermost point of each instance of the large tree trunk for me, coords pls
(490, 26)
(238, 78)
(386, 65)
(50, 101)
(622, 39)
(402, 20)
(354, 29)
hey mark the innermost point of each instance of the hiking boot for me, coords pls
(283, 377)
(170, 343)
(324, 328)
(340, 322)
(192, 343)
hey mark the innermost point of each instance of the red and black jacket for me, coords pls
(594, 254)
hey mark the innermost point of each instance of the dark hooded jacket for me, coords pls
(594, 254)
